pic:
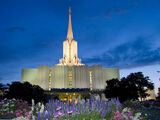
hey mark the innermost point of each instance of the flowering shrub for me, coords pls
(7, 106)
(126, 114)
(91, 109)
(14, 108)
(149, 109)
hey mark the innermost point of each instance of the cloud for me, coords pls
(119, 10)
(128, 55)
(12, 29)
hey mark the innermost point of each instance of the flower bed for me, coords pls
(11, 108)
(86, 110)
(149, 110)
(83, 110)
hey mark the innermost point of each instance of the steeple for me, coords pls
(70, 55)
(70, 33)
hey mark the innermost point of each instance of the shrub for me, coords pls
(26, 91)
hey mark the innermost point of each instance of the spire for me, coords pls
(70, 33)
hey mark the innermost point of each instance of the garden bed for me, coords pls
(94, 109)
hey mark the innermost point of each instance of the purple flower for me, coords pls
(58, 108)
(56, 116)
(61, 114)
(69, 112)
(26, 113)
(103, 113)
(18, 114)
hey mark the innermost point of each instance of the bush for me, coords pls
(26, 91)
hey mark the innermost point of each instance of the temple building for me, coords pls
(70, 72)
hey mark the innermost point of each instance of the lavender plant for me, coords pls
(90, 109)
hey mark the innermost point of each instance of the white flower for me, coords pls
(42, 108)
(13, 99)
(46, 112)
(126, 110)
(12, 105)
(39, 104)
(6, 105)
(33, 102)
(137, 116)
(32, 105)
(21, 118)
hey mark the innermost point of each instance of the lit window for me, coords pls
(70, 79)
(50, 75)
(90, 78)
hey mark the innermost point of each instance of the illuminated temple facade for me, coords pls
(70, 72)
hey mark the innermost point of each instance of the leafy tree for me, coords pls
(128, 90)
(141, 82)
(112, 89)
(1, 90)
(158, 97)
(133, 86)
(26, 91)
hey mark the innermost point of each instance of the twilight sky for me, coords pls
(114, 33)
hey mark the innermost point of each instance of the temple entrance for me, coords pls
(67, 94)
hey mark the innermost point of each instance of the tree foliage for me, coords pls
(158, 97)
(133, 86)
(26, 91)
(3, 89)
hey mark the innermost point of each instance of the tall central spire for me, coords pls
(70, 33)
(70, 55)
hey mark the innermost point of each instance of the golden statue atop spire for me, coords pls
(70, 33)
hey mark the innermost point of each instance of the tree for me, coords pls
(1, 91)
(133, 86)
(112, 89)
(158, 97)
(128, 90)
(141, 82)
(26, 91)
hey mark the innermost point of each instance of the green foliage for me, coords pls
(158, 97)
(133, 86)
(26, 91)
(83, 116)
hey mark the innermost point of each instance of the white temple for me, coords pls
(70, 72)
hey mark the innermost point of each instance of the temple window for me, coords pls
(50, 75)
(70, 79)
(90, 78)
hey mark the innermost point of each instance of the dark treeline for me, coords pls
(24, 91)
(133, 86)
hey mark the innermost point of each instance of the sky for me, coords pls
(112, 33)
